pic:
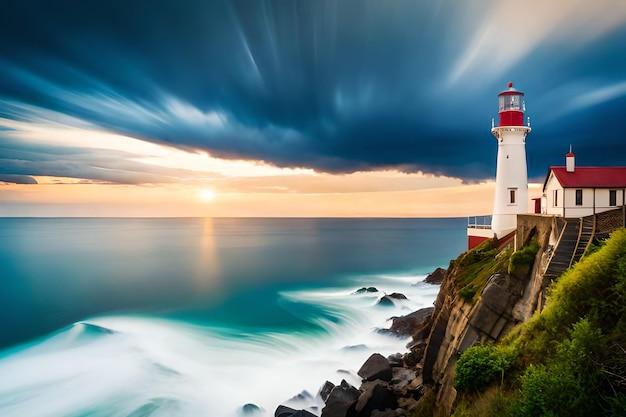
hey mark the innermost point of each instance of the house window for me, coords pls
(612, 198)
(555, 200)
(512, 192)
(579, 197)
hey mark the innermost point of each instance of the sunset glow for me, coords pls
(207, 195)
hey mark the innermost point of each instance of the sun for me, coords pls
(207, 195)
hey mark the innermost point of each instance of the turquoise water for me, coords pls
(150, 317)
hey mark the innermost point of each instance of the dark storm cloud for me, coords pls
(334, 85)
(17, 179)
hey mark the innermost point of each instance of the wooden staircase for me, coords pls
(587, 231)
(571, 246)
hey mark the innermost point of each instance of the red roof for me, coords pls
(589, 177)
(511, 93)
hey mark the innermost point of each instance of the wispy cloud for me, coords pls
(506, 32)
(599, 96)
(335, 87)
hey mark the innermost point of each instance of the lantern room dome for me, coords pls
(511, 107)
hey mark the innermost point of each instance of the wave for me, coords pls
(131, 365)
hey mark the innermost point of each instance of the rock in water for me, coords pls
(251, 410)
(341, 401)
(436, 277)
(412, 324)
(376, 367)
(284, 411)
(398, 296)
(385, 301)
(364, 290)
(326, 390)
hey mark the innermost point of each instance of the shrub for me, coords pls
(567, 384)
(594, 246)
(524, 256)
(616, 404)
(478, 367)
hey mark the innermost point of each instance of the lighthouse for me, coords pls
(511, 194)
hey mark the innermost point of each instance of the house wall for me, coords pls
(550, 208)
(594, 200)
(571, 209)
(602, 199)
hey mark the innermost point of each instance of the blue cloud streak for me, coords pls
(336, 86)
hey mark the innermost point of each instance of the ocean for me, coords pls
(139, 317)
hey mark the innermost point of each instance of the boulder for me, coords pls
(325, 390)
(415, 324)
(376, 367)
(415, 354)
(251, 410)
(395, 360)
(375, 397)
(436, 277)
(402, 377)
(284, 411)
(364, 290)
(398, 296)
(341, 401)
(385, 301)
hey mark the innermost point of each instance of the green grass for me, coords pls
(476, 266)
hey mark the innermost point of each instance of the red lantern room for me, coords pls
(511, 107)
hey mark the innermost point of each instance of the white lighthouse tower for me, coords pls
(511, 196)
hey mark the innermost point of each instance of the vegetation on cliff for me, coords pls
(568, 360)
(476, 266)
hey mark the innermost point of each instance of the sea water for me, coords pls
(199, 317)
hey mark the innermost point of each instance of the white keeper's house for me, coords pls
(571, 191)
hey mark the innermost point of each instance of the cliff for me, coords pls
(460, 322)
(486, 293)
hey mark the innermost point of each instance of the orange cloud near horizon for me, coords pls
(180, 200)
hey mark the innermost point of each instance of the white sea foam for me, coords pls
(150, 366)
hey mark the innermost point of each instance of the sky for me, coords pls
(296, 108)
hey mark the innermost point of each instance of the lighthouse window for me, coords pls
(579, 197)
(555, 201)
(512, 195)
(510, 102)
(612, 198)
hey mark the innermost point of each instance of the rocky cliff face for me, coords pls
(506, 300)
(458, 324)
